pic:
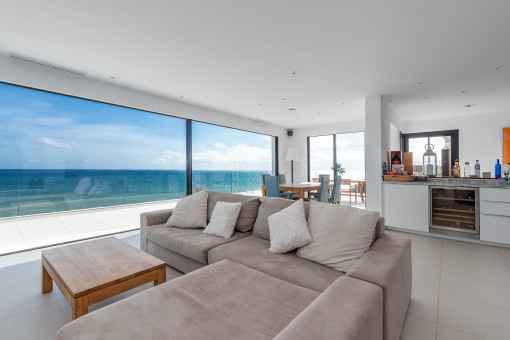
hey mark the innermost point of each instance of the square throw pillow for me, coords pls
(190, 212)
(223, 219)
(340, 234)
(288, 229)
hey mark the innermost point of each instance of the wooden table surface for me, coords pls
(92, 271)
(300, 188)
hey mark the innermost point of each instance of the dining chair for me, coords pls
(314, 194)
(286, 194)
(323, 193)
(264, 178)
(272, 187)
(335, 193)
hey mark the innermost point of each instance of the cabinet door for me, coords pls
(406, 206)
(495, 228)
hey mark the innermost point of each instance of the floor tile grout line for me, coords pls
(504, 258)
(460, 330)
(480, 302)
(477, 277)
(439, 288)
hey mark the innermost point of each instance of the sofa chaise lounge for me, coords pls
(236, 289)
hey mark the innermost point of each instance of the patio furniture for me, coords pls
(92, 271)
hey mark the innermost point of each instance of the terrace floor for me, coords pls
(31, 232)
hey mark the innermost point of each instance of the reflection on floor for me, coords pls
(32, 232)
(461, 290)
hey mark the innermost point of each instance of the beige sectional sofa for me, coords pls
(247, 292)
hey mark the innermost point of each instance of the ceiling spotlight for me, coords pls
(318, 113)
(469, 105)
(498, 67)
(260, 104)
(463, 91)
(284, 98)
(389, 101)
(343, 103)
(425, 97)
(294, 72)
(226, 109)
(419, 83)
(292, 109)
(112, 77)
(181, 97)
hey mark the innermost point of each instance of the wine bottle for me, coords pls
(395, 159)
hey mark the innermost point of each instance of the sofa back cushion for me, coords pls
(340, 235)
(249, 209)
(269, 206)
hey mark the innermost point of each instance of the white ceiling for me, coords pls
(240, 55)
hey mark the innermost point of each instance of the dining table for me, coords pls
(300, 188)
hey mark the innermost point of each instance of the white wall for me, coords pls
(26, 74)
(299, 138)
(480, 136)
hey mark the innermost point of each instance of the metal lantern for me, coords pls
(429, 161)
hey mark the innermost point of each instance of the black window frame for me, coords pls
(453, 134)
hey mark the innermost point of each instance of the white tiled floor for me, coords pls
(26, 313)
(461, 290)
(32, 232)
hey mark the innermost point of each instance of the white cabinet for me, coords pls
(495, 215)
(406, 206)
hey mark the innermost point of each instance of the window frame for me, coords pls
(453, 134)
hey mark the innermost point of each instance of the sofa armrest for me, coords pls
(151, 218)
(349, 309)
(388, 264)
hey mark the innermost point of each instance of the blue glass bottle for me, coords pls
(497, 170)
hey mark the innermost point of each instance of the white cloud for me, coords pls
(240, 153)
(51, 142)
(219, 145)
(171, 157)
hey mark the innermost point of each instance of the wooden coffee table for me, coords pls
(92, 271)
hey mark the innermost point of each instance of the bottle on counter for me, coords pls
(395, 160)
(456, 169)
(497, 170)
(477, 169)
(467, 170)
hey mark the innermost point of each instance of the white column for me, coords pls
(373, 153)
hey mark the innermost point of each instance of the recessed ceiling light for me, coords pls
(343, 103)
(389, 101)
(498, 67)
(469, 105)
(181, 97)
(284, 98)
(419, 83)
(260, 104)
(292, 109)
(318, 113)
(294, 72)
(112, 77)
(226, 109)
(425, 97)
(463, 91)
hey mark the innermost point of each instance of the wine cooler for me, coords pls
(455, 211)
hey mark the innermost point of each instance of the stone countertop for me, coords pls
(458, 182)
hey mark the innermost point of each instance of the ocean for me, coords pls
(28, 192)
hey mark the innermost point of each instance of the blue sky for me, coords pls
(40, 130)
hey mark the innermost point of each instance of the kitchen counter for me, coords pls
(459, 182)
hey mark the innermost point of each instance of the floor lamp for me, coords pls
(292, 155)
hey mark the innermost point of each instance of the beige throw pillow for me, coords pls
(190, 212)
(223, 219)
(340, 234)
(288, 229)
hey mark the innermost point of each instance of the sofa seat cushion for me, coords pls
(192, 243)
(222, 301)
(254, 253)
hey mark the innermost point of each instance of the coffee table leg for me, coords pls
(80, 306)
(47, 282)
(161, 276)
